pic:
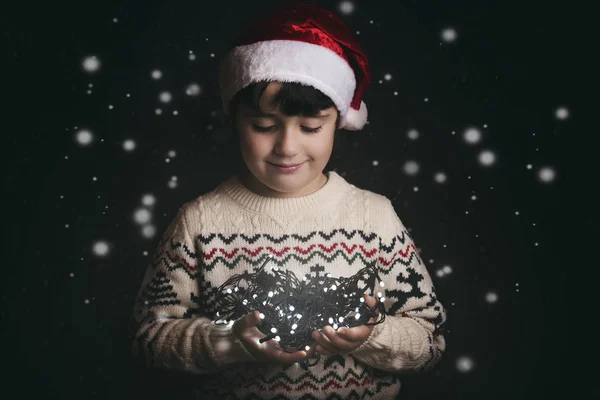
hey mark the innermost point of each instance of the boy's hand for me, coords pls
(269, 351)
(344, 340)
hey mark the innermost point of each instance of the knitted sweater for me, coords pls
(339, 229)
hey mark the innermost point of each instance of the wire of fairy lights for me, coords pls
(292, 308)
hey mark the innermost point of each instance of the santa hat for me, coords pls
(304, 43)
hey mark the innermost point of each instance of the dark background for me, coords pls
(65, 310)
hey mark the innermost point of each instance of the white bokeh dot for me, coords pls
(158, 111)
(440, 177)
(148, 231)
(142, 216)
(413, 134)
(491, 297)
(387, 77)
(562, 113)
(128, 145)
(101, 248)
(449, 35)
(447, 269)
(411, 167)
(464, 364)
(172, 184)
(148, 200)
(165, 97)
(346, 7)
(84, 137)
(193, 89)
(472, 136)
(91, 64)
(546, 174)
(156, 74)
(487, 158)
(375, 162)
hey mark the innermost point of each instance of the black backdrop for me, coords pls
(491, 228)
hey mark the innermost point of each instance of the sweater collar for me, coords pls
(333, 190)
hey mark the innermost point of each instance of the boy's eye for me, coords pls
(263, 128)
(272, 127)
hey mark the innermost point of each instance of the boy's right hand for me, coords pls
(246, 331)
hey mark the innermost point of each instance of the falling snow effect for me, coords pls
(165, 97)
(440, 177)
(546, 174)
(101, 248)
(346, 7)
(413, 134)
(562, 113)
(148, 200)
(464, 364)
(411, 168)
(491, 297)
(91, 64)
(128, 145)
(148, 231)
(193, 89)
(84, 137)
(142, 216)
(472, 136)
(156, 74)
(449, 35)
(487, 158)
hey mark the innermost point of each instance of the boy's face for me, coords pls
(288, 141)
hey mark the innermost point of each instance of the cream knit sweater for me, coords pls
(338, 229)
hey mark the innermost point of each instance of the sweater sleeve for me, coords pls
(168, 327)
(411, 337)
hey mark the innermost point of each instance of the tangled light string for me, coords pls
(291, 309)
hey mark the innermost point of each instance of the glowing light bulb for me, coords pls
(335, 326)
(341, 319)
(357, 316)
(382, 299)
(277, 338)
(273, 330)
(292, 308)
(294, 326)
(331, 320)
(270, 294)
(307, 348)
(381, 284)
(379, 294)
(292, 332)
(261, 316)
(229, 291)
(325, 289)
(298, 316)
(333, 287)
(362, 300)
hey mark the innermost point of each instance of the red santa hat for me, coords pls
(304, 43)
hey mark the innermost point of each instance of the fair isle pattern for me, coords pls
(221, 234)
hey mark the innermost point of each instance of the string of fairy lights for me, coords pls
(292, 308)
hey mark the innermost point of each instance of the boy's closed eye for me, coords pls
(306, 129)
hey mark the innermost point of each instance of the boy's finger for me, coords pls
(248, 321)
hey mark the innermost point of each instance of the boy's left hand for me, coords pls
(345, 340)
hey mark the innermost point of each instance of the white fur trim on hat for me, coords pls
(290, 61)
(356, 119)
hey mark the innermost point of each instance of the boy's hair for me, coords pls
(293, 99)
